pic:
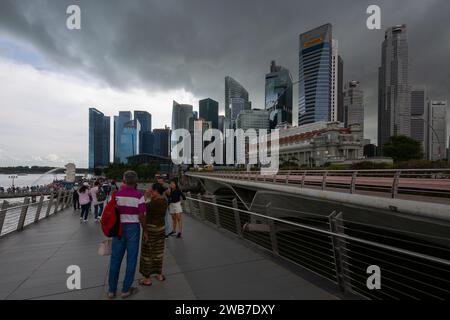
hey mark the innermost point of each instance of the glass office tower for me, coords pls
(129, 140)
(209, 110)
(99, 139)
(119, 122)
(394, 97)
(145, 120)
(315, 75)
(234, 89)
(161, 139)
(278, 95)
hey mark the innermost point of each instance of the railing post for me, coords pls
(50, 203)
(23, 213)
(3, 211)
(58, 201)
(39, 209)
(353, 183)
(273, 231)
(187, 203)
(216, 210)
(324, 180)
(395, 182)
(274, 178)
(338, 247)
(287, 177)
(303, 178)
(201, 207)
(68, 197)
(237, 217)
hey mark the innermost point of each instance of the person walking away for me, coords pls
(152, 249)
(175, 208)
(98, 199)
(131, 206)
(85, 202)
(75, 199)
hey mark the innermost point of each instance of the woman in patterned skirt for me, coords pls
(152, 250)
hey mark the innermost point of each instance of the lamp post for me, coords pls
(13, 177)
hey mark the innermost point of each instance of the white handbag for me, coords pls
(105, 247)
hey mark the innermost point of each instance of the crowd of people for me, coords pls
(91, 196)
(55, 186)
(144, 218)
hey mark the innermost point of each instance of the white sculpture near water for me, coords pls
(70, 172)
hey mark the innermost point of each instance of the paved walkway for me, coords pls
(205, 264)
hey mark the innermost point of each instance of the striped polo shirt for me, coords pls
(131, 204)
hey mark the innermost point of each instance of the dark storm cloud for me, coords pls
(193, 44)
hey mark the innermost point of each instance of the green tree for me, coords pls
(402, 148)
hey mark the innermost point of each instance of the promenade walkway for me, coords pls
(206, 263)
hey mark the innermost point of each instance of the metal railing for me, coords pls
(425, 182)
(413, 265)
(16, 217)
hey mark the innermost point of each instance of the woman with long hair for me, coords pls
(152, 249)
(175, 208)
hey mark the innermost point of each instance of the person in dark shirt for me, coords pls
(175, 209)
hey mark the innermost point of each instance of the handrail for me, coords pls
(17, 217)
(330, 233)
(338, 250)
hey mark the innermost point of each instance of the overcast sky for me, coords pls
(144, 54)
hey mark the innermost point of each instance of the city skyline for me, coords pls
(40, 63)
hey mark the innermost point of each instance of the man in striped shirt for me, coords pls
(131, 205)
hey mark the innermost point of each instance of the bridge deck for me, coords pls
(205, 264)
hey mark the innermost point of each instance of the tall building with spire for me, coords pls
(394, 97)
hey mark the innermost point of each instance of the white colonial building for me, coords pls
(318, 143)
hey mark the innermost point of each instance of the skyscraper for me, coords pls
(394, 110)
(337, 69)
(315, 75)
(129, 140)
(437, 129)
(354, 107)
(119, 147)
(236, 105)
(278, 95)
(161, 141)
(209, 110)
(253, 119)
(234, 89)
(180, 115)
(99, 139)
(419, 116)
(145, 120)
